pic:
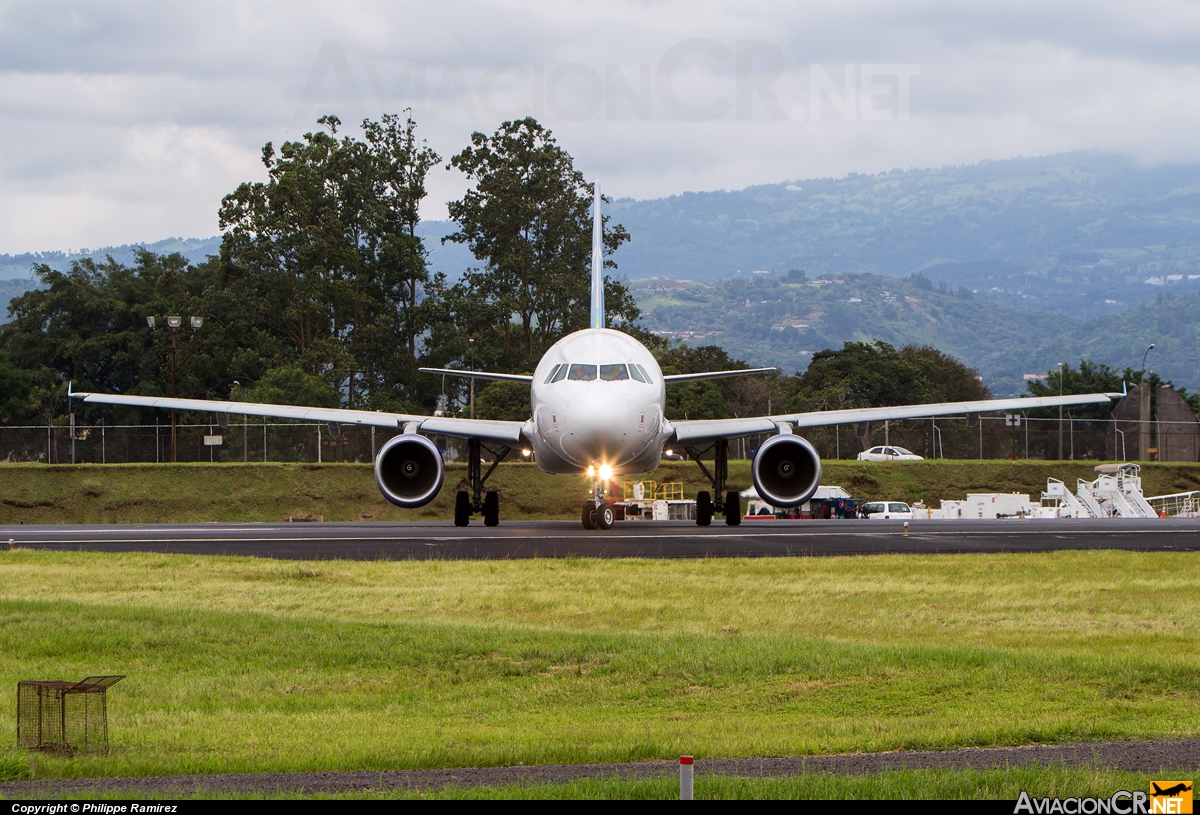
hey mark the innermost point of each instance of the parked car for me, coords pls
(889, 453)
(887, 510)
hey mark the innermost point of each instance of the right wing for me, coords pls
(506, 433)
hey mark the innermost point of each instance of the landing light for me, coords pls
(526, 453)
(591, 472)
(605, 472)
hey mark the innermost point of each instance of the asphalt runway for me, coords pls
(647, 539)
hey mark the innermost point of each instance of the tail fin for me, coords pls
(597, 264)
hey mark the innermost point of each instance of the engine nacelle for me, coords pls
(786, 470)
(409, 470)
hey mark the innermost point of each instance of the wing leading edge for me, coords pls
(686, 432)
(507, 433)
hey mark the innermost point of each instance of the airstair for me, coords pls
(1086, 497)
(1057, 495)
(1116, 493)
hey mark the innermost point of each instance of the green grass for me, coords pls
(245, 665)
(999, 784)
(190, 493)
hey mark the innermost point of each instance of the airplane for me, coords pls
(1170, 792)
(597, 401)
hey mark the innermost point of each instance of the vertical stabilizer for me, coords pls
(597, 264)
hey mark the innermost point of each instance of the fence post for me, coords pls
(685, 778)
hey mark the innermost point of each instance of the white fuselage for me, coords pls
(597, 399)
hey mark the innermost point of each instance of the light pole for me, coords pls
(1060, 418)
(471, 351)
(1149, 348)
(174, 322)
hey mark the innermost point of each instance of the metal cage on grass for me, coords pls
(69, 717)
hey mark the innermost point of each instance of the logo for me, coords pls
(1170, 797)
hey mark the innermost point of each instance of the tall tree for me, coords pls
(528, 218)
(325, 254)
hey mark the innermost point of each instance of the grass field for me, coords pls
(190, 493)
(239, 665)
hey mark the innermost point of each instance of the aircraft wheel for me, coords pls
(704, 508)
(462, 508)
(605, 516)
(589, 515)
(733, 508)
(491, 508)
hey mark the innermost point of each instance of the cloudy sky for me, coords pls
(128, 121)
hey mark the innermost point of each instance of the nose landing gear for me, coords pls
(597, 513)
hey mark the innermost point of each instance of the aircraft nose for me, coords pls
(598, 426)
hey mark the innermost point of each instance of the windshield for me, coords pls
(614, 373)
(898, 508)
(900, 451)
(582, 371)
(869, 508)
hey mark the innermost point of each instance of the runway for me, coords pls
(632, 539)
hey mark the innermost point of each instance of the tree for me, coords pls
(16, 402)
(528, 218)
(862, 375)
(325, 255)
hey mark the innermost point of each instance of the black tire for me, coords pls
(491, 508)
(605, 515)
(462, 508)
(704, 508)
(589, 515)
(733, 508)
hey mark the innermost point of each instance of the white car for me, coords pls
(888, 511)
(886, 453)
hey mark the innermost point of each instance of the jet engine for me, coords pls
(786, 470)
(409, 470)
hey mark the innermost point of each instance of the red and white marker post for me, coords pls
(685, 778)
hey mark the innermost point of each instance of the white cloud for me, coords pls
(129, 121)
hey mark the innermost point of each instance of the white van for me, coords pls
(888, 510)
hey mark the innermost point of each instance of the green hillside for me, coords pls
(1066, 233)
(779, 319)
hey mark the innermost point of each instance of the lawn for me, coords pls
(191, 493)
(239, 665)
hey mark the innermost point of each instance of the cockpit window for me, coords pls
(553, 371)
(647, 379)
(614, 372)
(582, 371)
(561, 373)
(635, 373)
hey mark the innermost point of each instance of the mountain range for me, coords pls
(1026, 260)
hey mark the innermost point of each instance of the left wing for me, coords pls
(506, 433)
(669, 378)
(696, 430)
(478, 374)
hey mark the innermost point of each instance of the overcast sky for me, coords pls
(128, 122)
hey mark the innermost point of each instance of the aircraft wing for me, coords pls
(669, 378)
(506, 433)
(526, 378)
(688, 432)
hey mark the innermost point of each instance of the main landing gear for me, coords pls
(731, 502)
(477, 501)
(598, 513)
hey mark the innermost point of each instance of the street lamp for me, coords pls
(174, 322)
(1149, 348)
(471, 364)
(1060, 418)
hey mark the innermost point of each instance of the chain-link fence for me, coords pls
(991, 437)
(240, 441)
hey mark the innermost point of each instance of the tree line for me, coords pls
(322, 295)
